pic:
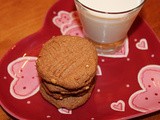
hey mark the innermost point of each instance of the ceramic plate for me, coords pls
(127, 81)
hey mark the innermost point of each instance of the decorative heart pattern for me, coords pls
(118, 106)
(68, 23)
(142, 44)
(63, 17)
(25, 83)
(148, 98)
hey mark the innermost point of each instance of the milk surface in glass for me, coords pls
(106, 22)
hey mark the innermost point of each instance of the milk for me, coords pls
(111, 5)
(106, 22)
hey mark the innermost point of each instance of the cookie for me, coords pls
(68, 61)
(61, 90)
(59, 96)
(69, 102)
(56, 96)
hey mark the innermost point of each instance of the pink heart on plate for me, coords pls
(25, 81)
(63, 17)
(147, 98)
(64, 111)
(142, 44)
(118, 106)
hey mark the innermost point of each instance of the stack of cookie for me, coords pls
(67, 66)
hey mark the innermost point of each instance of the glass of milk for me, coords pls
(106, 22)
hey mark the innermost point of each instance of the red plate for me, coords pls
(127, 82)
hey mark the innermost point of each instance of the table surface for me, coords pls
(20, 18)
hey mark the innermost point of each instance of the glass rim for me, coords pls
(126, 11)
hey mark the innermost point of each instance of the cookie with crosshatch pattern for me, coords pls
(67, 66)
(68, 61)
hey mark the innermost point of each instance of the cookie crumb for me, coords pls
(53, 81)
(87, 87)
(87, 66)
(60, 98)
